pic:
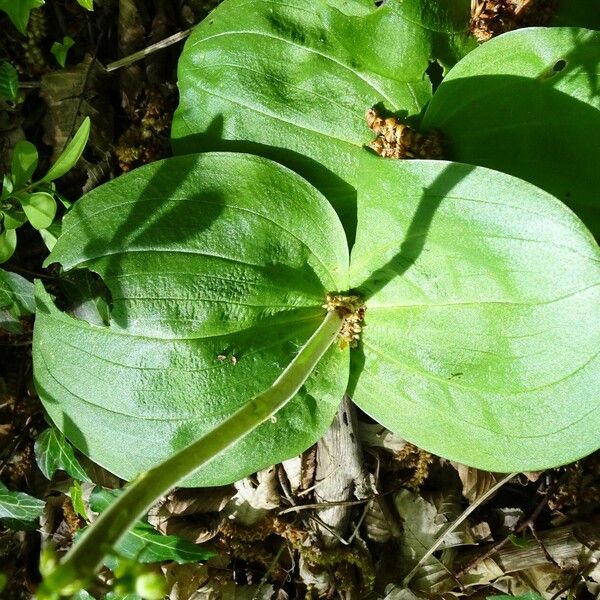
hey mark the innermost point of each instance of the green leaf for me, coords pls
(146, 545)
(18, 506)
(51, 234)
(7, 187)
(16, 300)
(60, 49)
(292, 80)
(68, 159)
(24, 163)
(87, 4)
(218, 266)
(76, 494)
(89, 298)
(8, 244)
(480, 341)
(40, 208)
(18, 11)
(53, 452)
(14, 217)
(9, 82)
(527, 103)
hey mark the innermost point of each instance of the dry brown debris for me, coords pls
(490, 18)
(398, 140)
(147, 139)
(579, 488)
(352, 310)
(418, 461)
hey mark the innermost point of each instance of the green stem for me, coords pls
(87, 555)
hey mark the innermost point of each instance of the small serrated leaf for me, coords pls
(24, 163)
(18, 506)
(40, 208)
(9, 82)
(53, 452)
(67, 160)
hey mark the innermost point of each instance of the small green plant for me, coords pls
(25, 200)
(457, 305)
(60, 50)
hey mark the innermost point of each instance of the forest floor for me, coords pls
(352, 515)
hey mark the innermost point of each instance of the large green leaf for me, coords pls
(292, 80)
(528, 103)
(218, 266)
(482, 334)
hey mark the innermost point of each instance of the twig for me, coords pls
(563, 543)
(527, 524)
(141, 54)
(455, 525)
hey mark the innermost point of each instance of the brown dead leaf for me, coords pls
(377, 436)
(475, 483)
(191, 514)
(71, 95)
(254, 501)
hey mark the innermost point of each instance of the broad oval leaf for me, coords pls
(292, 80)
(527, 103)
(218, 266)
(481, 339)
(40, 209)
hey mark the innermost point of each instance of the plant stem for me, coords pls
(87, 555)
